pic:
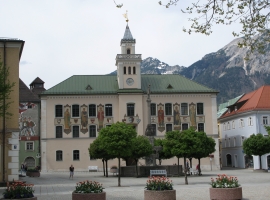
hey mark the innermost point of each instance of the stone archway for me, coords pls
(30, 162)
(229, 160)
(249, 161)
(268, 162)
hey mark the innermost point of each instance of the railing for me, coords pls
(125, 56)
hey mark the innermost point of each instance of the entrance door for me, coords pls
(229, 160)
(30, 162)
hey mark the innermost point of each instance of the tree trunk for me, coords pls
(103, 166)
(119, 171)
(199, 166)
(185, 167)
(178, 167)
(190, 162)
(106, 161)
(260, 157)
(136, 161)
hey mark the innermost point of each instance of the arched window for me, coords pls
(125, 70)
(129, 70)
(128, 51)
(134, 70)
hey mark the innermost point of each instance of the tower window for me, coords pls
(134, 70)
(125, 70)
(128, 51)
(129, 70)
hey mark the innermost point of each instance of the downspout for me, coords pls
(4, 116)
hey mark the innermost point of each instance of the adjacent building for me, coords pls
(29, 123)
(75, 110)
(10, 54)
(248, 115)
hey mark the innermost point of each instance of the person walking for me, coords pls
(71, 171)
(22, 168)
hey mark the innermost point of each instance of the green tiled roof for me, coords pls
(222, 108)
(107, 84)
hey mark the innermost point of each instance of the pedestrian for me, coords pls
(71, 171)
(25, 167)
(22, 168)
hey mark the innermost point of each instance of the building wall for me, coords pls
(232, 138)
(50, 144)
(11, 148)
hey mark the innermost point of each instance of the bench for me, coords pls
(92, 168)
(158, 172)
(193, 171)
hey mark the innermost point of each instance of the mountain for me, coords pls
(226, 70)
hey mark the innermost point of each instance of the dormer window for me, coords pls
(235, 108)
(128, 51)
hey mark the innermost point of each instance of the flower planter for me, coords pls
(89, 196)
(32, 198)
(225, 193)
(33, 174)
(159, 195)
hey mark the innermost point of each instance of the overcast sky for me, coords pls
(74, 37)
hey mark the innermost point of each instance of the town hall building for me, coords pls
(75, 110)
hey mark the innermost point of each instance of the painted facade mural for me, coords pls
(132, 120)
(67, 123)
(100, 116)
(161, 126)
(27, 126)
(84, 119)
(192, 114)
(176, 117)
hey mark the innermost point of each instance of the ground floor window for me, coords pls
(229, 160)
(76, 155)
(59, 155)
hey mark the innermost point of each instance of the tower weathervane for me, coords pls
(126, 16)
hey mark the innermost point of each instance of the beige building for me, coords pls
(10, 54)
(74, 111)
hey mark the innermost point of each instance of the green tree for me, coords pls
(5, 90)
(162, 154)
(267, 128)
(204, 146)
(171, 145)
(97, 152)
(141, 147)
(253, 16)
(117, 140)
(257, 145)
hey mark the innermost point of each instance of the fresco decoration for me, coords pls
(134, 120)
(27, 126)
(100, 116)
(161, 126)
(25, 106)
(176, 116)
(192, 114)
(84, 119)
(67, 122)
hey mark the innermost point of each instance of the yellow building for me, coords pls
(10, 54)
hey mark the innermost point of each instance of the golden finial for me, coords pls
(126, 16)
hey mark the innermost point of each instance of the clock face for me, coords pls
(130, 81)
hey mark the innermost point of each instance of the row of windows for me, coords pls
(129, 70)
(93, 129)
(92, 110)
(75, 155)
(231, 125)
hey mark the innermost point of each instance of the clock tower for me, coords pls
(128, 63)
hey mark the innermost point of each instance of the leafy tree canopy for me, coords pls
(253, 16)
(96, 151)
(141, 147)
(256, 145)
(163, 154)
(117, 139)
(205, 145)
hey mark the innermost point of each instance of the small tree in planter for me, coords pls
(91, 190)
(160, 188)
(19, 190)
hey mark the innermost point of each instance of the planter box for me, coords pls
(32, 198)
(33, 174)
(159, 195)
(226, 193)
(89, 196)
